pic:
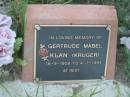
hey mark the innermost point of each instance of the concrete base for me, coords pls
(97, 88)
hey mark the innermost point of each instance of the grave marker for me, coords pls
(70, 42)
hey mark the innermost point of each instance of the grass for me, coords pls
(7, 91)
(90, 93)
(27, 95)
(122, 73)
(117, 88)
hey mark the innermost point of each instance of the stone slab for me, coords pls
(83, 89)
(69, 15)
(102, 88)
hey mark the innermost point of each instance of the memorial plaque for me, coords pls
(70, 52)
(70, 42)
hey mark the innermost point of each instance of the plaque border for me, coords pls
(37, 27)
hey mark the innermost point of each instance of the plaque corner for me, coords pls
(37, 27)
(108, 27)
